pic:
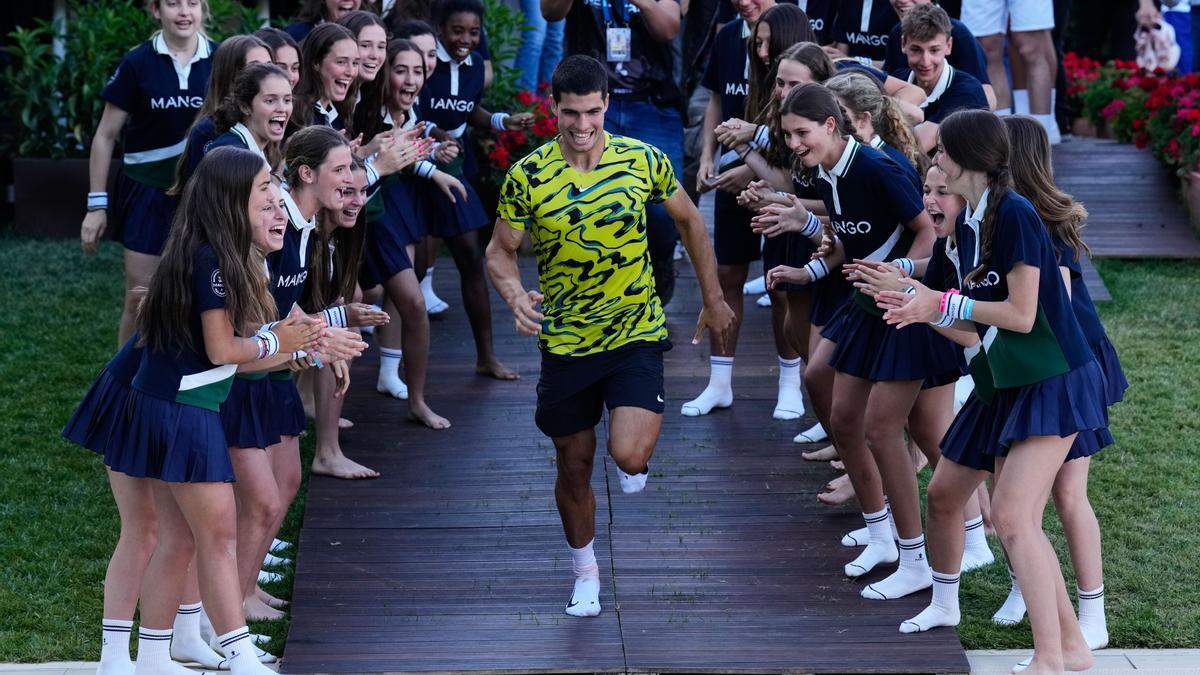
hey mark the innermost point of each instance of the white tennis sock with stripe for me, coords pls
(862, 536)
(114, 647)
(585, 598)
(1091, 617)
(911, 576)
(433, 304)
(789, 404)
(718, 393)
(942, 611)
(881, 548)
(242, 656)
(1013, 609)
(389, 381)
(187, 646)
(976, 552)
(154, 654)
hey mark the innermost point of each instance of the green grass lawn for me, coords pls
(58, 523)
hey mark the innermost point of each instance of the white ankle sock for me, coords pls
(976, 552)
(114, 647)
(755, 286)
(389, 381)
(1020, 99)
(633, 482)
(718, 393)
(814, 434)
(585, 599)
(880, 546)
(1013, 609)
(1091, 617)
(1050, 123)
(862, 536)
(154, 654)
(911, 576)
(207, 632)
(942, 611)
(433, 304)
(187, 646)
(242, 655)
(789, 405)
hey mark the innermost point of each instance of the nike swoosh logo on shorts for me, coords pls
(660, 399)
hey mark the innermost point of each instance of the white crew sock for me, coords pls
(942, 611)
(272, 560)
(114, 647)
(763, 300)
(976, 552)
(911, 576)
(187, 645)
(862, 536)
(880, 546)
(1013, 609)
(207, 632)
(755, 286)
(389, 381)
(1050, 124)
(718, 393)
(1091, 617)
(433, 304)
(242, 654)
(585, 598)
(814, 434)
(1020, 100)
(633, 482)
(154, 654)
(789, 405)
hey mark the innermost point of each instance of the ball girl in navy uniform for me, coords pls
(335, 262)
(157, 90)
(451, 100)
(285, 52)
(313, 13)
(231, 57)
(1047, 385)
(398, 224)
(1033, 175)
(210, 288)
(255, 114)
(877, 214)
(328, 70)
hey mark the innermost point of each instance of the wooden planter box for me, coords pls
(1189, 187)
(50, 195)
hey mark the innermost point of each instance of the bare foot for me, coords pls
(493, 368)
(339, 466)
(838, 465)
(1076, 655)
(421, 414)
(257, 610)
(270, 600)
(825, 454)
(344, 423)
(840, 492)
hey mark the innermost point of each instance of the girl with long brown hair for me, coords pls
(329, 66)
(1046, 388)
(256, 113)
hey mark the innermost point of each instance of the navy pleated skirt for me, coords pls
(287, 407)
(248, 414)
(99, 414)
(450, 219)
(141, 215)
(1058, 406)
(829, 295)
(790, 249)
(869, 348)
(1114, 375)
(401, 222)
(169, 441)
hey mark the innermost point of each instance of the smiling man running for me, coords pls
(582, 197)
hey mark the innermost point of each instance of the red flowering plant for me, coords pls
(502, 149)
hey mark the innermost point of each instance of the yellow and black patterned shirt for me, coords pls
(589, 237)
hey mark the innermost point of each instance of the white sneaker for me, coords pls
(756, 286)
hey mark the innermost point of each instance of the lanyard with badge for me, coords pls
(618, 39)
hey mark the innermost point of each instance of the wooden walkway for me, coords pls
(454, 560)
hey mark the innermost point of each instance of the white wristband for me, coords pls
(97, 201)
(498, 121)
(905, 265)
(812, 227)
(817, 268)
(335, 316)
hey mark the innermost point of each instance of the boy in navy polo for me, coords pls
(927, 43)
(968, 57)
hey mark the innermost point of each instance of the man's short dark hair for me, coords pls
(579, 75)
(925, 22)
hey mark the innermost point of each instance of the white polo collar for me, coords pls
(444, 55)
(183, 71)
(247, 137)
(295, 217)
(745, 28)
(843, 164)
(942, 84)
(330, 114)
(974, 218)
(877, 142)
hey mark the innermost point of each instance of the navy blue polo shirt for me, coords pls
(955, 90)
(650, 65)
(183, 375)
(965, 54)
(870, 200)
(1056, 343)
(820, 15)
(453, 91)
(161, 98)
(865, 26)
(896, 155)
(728, 69)
(843, 65)
(199, 138)
(289, 265)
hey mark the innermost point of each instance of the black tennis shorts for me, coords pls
(574, 390)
